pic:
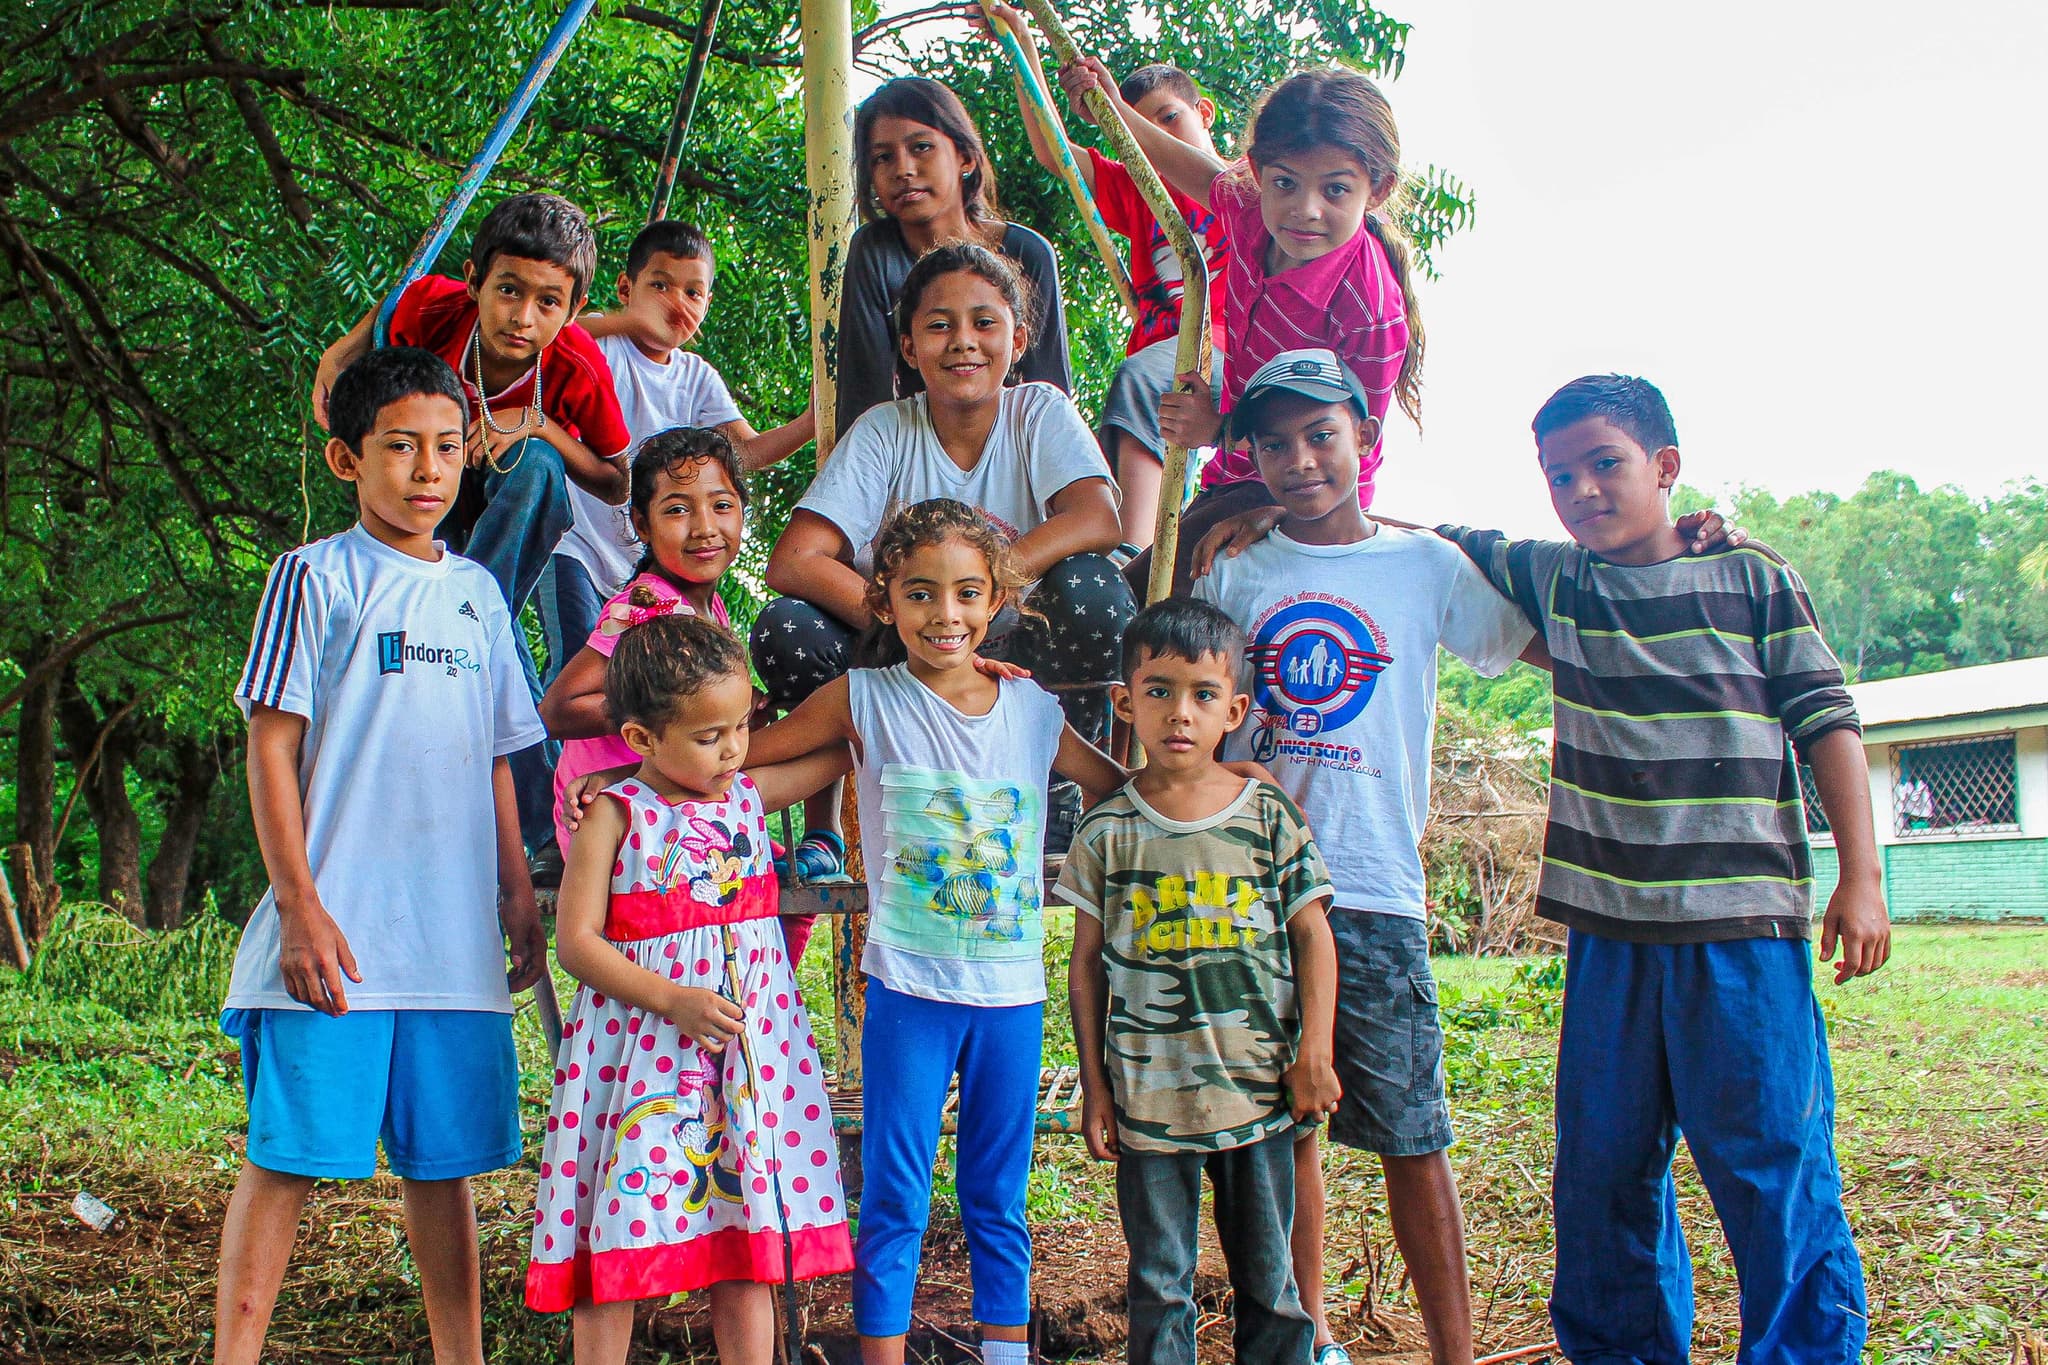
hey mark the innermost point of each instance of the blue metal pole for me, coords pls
(479, 168)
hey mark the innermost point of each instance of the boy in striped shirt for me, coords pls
(1676, 855)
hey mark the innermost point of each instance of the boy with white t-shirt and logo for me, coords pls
(664, 295)
(383, 691)
(1345, 617)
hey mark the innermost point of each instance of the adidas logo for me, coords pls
(470, 612)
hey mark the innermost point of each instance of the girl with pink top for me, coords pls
(689, 501)
(1318, 259)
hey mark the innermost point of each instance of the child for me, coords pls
(506, 329)
(689, 1143)
(926, 182)
(383, 693)
(1166, 97)
(664, 294)
(952, 767)
(1676, 855)
(1020, 455)
(1201, 939)
(689, 504)
(1318, 260)
(1345, 620)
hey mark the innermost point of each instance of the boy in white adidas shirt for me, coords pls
(1345, 617)
(370, 994)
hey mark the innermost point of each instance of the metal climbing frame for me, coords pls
(479, 168)
(828, 143)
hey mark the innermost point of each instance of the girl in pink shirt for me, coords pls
(1318, 259)
(689, 504)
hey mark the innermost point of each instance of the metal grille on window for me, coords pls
(1955, 786)
(1809, 796)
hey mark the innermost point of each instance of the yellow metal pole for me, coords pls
(828, 157)
(1193, 353)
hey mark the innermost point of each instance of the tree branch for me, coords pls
(265, 137)
(78, 645)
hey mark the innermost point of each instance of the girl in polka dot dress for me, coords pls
(689, 1144)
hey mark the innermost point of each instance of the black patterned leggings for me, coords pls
(1082, 605)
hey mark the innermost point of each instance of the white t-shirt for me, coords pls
(952, 832)
(410, 684)
(1342, 672)
(892, 458)
(686, 392)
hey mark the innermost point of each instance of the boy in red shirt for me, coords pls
(1166, 97)
(541, 409)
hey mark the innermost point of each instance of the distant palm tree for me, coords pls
(2034, 567)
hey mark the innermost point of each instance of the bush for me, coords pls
(94, 954)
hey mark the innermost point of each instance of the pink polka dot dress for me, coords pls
(668, 1168)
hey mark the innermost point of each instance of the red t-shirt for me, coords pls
(437, 314)
(1155, 269)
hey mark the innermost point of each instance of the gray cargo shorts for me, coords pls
(1389, 1044)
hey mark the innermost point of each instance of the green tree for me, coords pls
(196, 195)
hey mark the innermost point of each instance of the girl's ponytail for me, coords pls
(1384, 223)
(1342, 109)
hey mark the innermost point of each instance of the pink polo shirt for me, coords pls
(1349, 301)
(580, 756)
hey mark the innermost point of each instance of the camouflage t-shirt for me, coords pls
(1202, 1013)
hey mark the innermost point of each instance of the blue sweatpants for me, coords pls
(1724, 1043)
(910, 1049)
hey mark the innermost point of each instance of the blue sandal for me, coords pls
(821, 857)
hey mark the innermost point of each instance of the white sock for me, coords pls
(1005, 1352)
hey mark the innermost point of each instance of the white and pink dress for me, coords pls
(667, 1168)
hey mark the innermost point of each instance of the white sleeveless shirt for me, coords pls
(952, 817)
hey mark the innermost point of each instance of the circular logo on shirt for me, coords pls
(1315, 661)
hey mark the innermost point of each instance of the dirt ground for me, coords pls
(143, 1290)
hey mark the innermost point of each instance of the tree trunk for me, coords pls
(100, 753)
(198, 767)
(35, 806)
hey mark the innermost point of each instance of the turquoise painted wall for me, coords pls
(1974, 879)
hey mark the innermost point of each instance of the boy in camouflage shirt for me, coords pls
(1203, 986)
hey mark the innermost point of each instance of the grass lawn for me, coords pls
(1941, 1064)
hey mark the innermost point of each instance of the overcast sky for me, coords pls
(1817, 226)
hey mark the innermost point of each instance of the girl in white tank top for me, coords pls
(952, 767)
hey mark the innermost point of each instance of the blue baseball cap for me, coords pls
(1316, 374)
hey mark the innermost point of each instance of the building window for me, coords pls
(1809, 796)
(1956, 786)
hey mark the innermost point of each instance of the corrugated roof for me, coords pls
(2012, 686)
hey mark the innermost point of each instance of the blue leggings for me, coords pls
(1723, 1042)
(910, 1049)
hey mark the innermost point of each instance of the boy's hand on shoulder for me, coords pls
(1706, 532)
(527, 941)
(1098, 1125)
(314, 956)
(706, 1018)
(1232, 536)
(1312, 1086)
(1000, 668)
(1857, 918)
(579, 795)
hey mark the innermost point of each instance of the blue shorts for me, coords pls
(440, 1088)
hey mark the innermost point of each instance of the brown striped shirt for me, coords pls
(1682, 690)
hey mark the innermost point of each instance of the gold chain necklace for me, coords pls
(532, 419)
